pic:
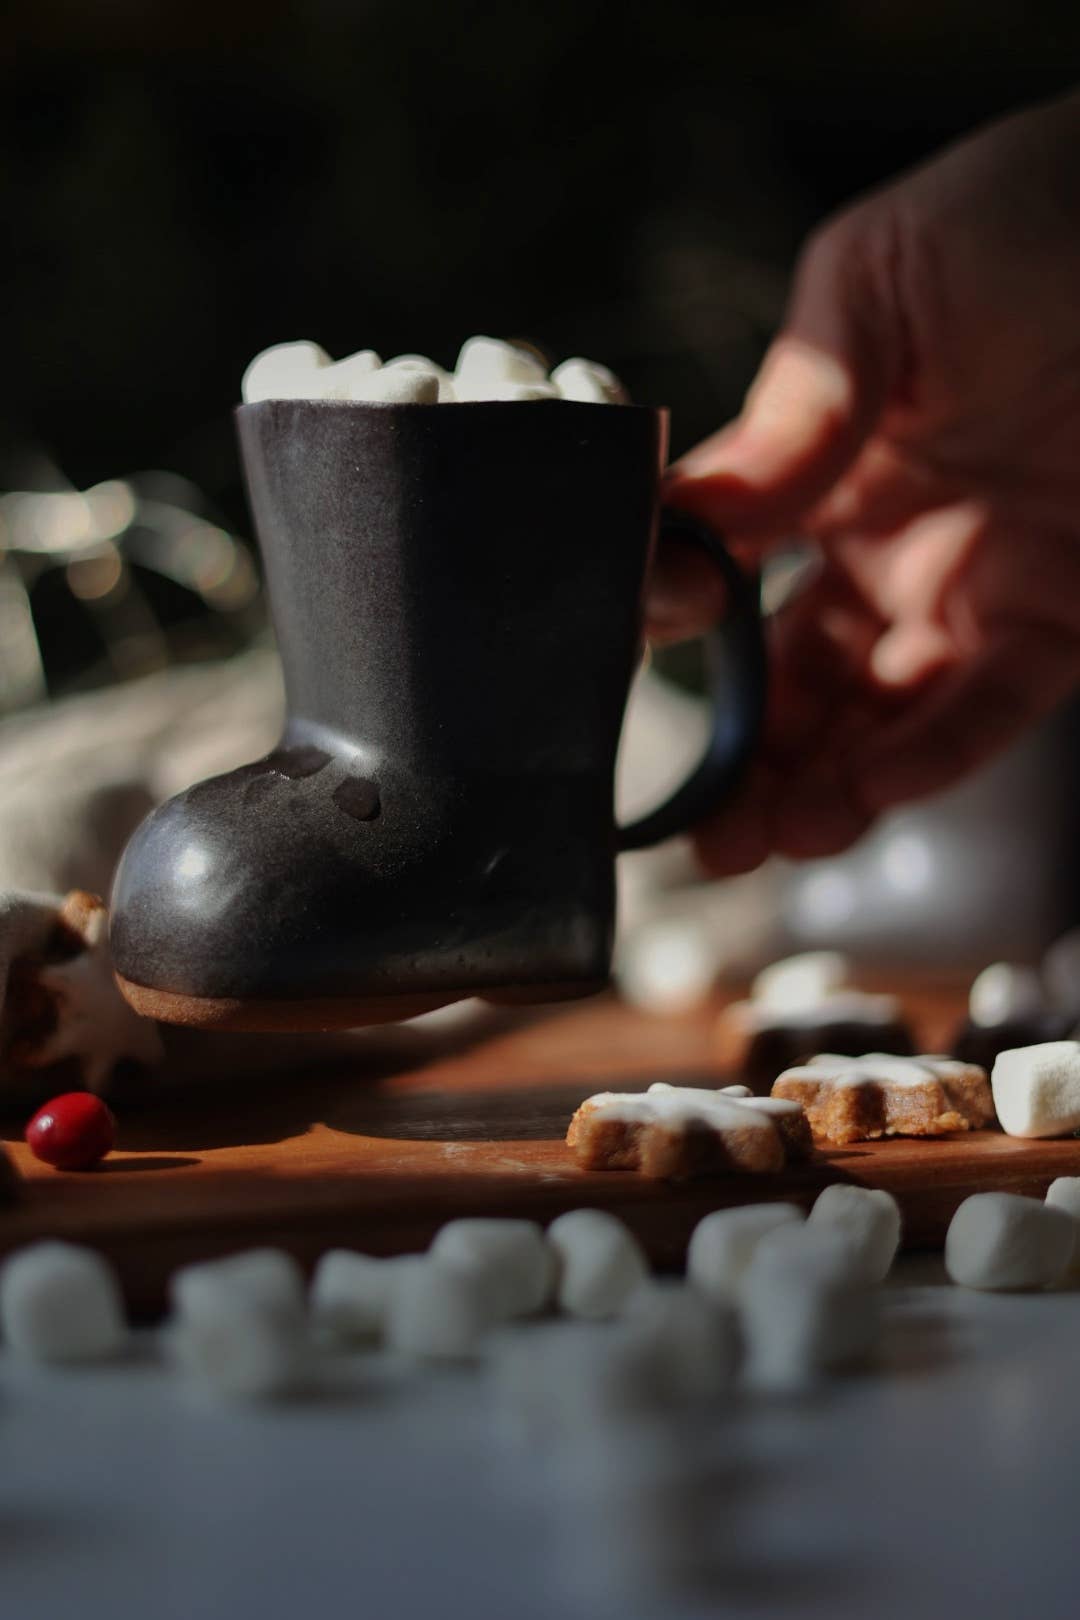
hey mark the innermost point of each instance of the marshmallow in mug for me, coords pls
(487, 369)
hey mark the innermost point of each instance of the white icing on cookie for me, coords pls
(828, 1068)
(683, 1105)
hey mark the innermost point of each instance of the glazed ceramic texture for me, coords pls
(456, 595)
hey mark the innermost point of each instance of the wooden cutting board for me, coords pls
(418, 1127)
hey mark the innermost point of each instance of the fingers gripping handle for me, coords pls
(736, 666)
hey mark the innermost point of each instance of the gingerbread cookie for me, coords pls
(675, 1132)
(856, 1099)
(758, 1038)
(65, 1021)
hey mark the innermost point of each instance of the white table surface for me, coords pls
(948, 1483)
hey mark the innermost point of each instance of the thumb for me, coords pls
(817, 396)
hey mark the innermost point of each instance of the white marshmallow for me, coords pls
(1001, 1240)
(559, 1380)
(667, 966)
(285, 371)
(268, 1279)
(401, 386)
(588, 382)
(411, 362)
(1061, 972)
(350, 1294)
(600, 1263)
(421, 363)
(870, 1217)
(722, 1245)
(803, 1310)
(1037, 1089)
(522, 392)
(60, 1302)
(236, 1347)
(511, 1258)
(801, 982)
(239, 1329)
(486, 366)
(1064, 1194)
(338, 380)
(1003, 991)
(436, 1310)
(693, 1341)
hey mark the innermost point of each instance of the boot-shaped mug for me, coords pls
(457, 594)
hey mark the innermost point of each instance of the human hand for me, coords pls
(918, 417)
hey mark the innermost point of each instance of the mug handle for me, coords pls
(737, 680)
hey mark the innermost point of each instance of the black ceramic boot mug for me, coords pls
(457, 593)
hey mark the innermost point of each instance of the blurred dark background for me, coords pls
(183, 185)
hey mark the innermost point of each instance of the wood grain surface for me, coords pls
(378, 1150)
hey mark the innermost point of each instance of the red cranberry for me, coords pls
(72, 1132)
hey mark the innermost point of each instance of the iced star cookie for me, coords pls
(759, 1037)
(675, 1132)
(855, 1099)
(801, 1005)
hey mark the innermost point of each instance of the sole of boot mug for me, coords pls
(328, 1012)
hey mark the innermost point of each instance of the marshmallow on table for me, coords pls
(1001, 1240)
(268, 1278)
(802, 981)
(238, 1329)
(722, 1245)
(562, 1380)
(870, 1217)
(692, 1341)
(588, 382)
(350, 1294)
(1004, 992)
(667, 966)
(60, 1302)
(286, 371)
(803, 1308)
(1037, 1089)
(600, 1263)
(238, 1349)
(1064, 1194)
(437, 1310)
(515, 1266)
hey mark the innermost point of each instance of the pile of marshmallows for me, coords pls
(486, 369)
(773, 1299)
(789, 1297)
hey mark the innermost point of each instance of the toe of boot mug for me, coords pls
(457, 594)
